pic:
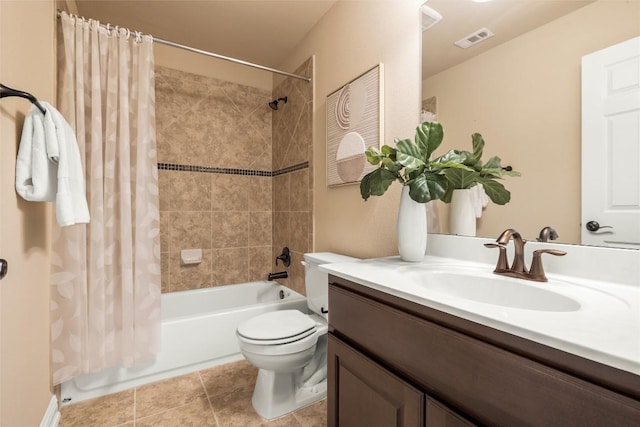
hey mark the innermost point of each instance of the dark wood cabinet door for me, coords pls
(363, 393)
(438, 415)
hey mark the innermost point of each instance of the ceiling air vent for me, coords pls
(481, 35)
(430, 17)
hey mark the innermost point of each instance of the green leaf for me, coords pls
(391, 165)
(373, 155)
(429, 136)
(447, 195)
(451, 165)
(478, 147)
(388, 150)
(408, 154)
(453, 156)
(496, 191)
(493, 163)
(376, 183)
(491, 173)
(427, 186)
(460, 178)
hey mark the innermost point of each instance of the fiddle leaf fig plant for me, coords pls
(410, 163)
(477, 172)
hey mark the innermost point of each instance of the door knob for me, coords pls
(594, 226)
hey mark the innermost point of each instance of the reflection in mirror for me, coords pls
(521, 89)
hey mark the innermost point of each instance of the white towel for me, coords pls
(49, 167)
(35, 172)
(480, 199)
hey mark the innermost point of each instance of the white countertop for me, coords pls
(605, 328)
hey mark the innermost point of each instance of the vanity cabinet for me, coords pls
(392, 362)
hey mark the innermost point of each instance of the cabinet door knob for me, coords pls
(595, 226)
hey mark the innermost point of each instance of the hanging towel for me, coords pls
(49, 167)
(35, 172)
(480, 199)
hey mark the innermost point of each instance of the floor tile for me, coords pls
(108, 411)
(314, 415)
(225, 378)
(163, 395)
(286, 421)
(234, 409)
(194, 414)
(182, 401)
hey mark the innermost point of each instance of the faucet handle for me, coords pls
(537, 271)
(503, 263)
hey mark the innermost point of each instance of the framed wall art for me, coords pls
(354, 123)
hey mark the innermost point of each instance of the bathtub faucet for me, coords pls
(285, 257)
(278, 275)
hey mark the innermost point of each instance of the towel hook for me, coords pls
(6, 91)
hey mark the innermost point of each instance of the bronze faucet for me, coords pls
(547, 233)
(518, 268)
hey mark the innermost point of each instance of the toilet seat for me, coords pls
(276, 328)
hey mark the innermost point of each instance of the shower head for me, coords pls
(274, 104)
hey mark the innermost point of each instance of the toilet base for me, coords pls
(277, 394)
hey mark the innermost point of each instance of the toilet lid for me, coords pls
(277, 325)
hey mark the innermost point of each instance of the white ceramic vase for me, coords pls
(462, 213)
(412, 228)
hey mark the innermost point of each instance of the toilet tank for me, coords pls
(316, 282)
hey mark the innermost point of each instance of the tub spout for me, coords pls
(278, 275)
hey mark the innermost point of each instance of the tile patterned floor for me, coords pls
(217, 397)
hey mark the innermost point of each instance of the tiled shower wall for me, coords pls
(220, 190)
(293, 192)
(214, 152)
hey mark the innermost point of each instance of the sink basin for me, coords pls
(497, 290)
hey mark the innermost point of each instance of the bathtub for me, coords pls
(198, 332)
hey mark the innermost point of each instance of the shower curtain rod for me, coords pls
(215, 55)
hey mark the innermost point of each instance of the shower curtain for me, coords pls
(105, 275)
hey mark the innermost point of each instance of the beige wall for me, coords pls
(524, 98)
(26, 63)
(190, 62)
(351, 38)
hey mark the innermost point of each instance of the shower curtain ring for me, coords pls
(128, 33)
(108, 29)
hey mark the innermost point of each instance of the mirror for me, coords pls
(521, 89)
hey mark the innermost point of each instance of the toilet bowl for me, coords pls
(289, 347)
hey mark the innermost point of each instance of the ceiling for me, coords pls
(265, 31)
(505, 18)
(258, 31)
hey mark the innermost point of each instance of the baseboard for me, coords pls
(52, 415)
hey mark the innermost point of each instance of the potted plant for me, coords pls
(476, 172)
(409, 163)
(425, 179)
(461, 182)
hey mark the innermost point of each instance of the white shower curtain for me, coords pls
(105, 275)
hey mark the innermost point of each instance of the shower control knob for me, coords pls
(594, 226)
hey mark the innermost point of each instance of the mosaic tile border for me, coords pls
(230, 171)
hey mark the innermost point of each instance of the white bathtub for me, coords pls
(198, 332)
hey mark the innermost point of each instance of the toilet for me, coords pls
(290, 347)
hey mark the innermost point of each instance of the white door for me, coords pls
(611, 146)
